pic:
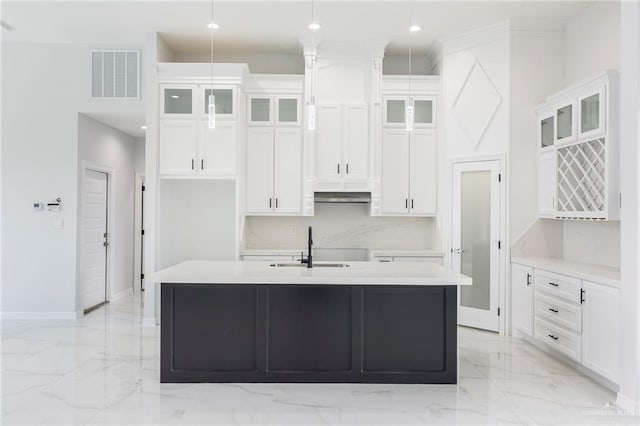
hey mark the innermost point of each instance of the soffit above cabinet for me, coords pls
(179, 72)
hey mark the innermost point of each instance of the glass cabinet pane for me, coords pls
(423, 112)
(476, 238)
(565, 122)
(395, 111)
(260, 109)
(288, 110)
(224, 100)
(546, 132)
(590, 113)
(178, 101)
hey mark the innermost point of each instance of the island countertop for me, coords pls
(358, 273)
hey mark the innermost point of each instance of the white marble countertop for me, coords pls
(600, 274)
(419, 253)
(373, 252)
(358, 273)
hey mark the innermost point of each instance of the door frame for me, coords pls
(504, 252)
(138, 222)
(111, 225)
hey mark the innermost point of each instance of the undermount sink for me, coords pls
(315, 265)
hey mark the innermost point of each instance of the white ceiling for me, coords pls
(263, 26)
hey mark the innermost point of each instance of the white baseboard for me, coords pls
(41, 315)
(121, 294)
(628, 404)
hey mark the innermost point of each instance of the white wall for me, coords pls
(139, 154)
(259, 63)
(39, 163)
(399, 64)
(592, 42)
(341, 226)
(196, 221)
(103, 146)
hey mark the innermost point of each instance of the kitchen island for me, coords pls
(367, 322)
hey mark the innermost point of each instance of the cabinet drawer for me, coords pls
(558, 285)
(562, 340)
(559, 312)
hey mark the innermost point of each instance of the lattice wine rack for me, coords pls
(581, 188)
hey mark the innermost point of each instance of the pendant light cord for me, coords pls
(212, 29)
(410, 45)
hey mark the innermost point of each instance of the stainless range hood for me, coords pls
(342, 197)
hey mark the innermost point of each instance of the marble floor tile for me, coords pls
(103, 369)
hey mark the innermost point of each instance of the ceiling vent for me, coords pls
(115, 74)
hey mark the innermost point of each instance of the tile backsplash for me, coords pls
(342, 226)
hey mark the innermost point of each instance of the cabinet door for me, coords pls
(178, 143)
(565, 121)
(522, 297)
(217, 149)
(260, 111)
(260, 170)
(356, 142)
(177, 101)
(546, 131)
(224, 101)
(591, 113)
(546, 184)
(287, 110)
(600, 329)
(395, 111)
(423, 169)
(424, 112)
(288, 171)
(395, 172)
(328, 144)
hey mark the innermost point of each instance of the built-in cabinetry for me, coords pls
(578, 176)
(395, 109)
(342, 147)
(573, 316)
(409, 172)
(188, 147)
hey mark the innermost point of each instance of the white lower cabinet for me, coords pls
(600, 329)
(576, 317)
(522, 295)
(274, 171)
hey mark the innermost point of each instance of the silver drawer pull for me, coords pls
(554, 284)
(555, 311)
(552, 336)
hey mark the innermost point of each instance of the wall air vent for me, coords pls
(115, 74)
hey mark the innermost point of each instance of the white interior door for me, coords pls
(94, 238)
(475, 240)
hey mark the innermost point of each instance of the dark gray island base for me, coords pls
(274, 333)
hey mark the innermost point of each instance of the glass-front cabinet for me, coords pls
(274, 110)
(591, 113)
(546, 131)
(565, 120)
(224, 100)
(177, 101)
(423, 111)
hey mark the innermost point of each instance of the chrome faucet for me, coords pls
(309, 259)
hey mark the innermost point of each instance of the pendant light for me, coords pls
(409, 112)
(311, 105)
(211, 108)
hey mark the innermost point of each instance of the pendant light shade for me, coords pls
(409, 115)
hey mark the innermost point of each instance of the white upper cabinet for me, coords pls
(592, 113)
(342, 147)
(178, 101)
(225, 101)
(424, 110)
(274, 110)
(274, 171)
(565, 121)
(409, 172)
(217, 149)
(582, 161)
(547, 184)
(178, 146)
(522, 296)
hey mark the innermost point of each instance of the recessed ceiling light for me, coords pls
(314, 26)
(143, 127)
(213, 26)
(415, 28)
